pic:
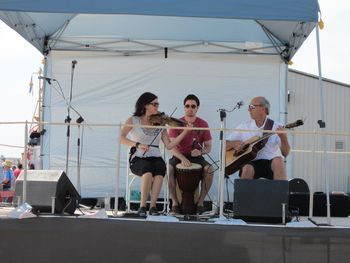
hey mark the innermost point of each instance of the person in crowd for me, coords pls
(269, 162)
(8, 181)
(191, 150)
(145, 160)
(18, 170)
(1, 171)
(8, 176)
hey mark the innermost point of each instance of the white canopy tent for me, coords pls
(101, 25)
(223, 51)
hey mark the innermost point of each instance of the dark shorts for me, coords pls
(199, 159)
(262, 169)
(6, 186)
(154, 165)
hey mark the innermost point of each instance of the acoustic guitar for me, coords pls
(235, 159)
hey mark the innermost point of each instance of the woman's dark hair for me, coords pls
(144, 99)
(192, 97)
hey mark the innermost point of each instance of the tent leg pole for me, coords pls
(117, 174)
(25, 164)
(322, 124)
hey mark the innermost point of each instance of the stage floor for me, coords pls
(54, 238)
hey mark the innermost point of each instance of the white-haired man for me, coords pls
(269, 162)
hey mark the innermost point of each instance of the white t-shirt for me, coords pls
(146, 136)
(271, 148)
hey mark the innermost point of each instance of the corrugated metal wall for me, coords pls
(306, 160)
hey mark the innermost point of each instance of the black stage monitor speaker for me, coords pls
(260, 200)
(299, 197)
(43, 185)
(340, 204)
(298, 185)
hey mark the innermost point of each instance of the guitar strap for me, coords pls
(268, 127)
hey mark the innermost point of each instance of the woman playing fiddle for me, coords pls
(147, 161)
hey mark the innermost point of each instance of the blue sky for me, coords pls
(19, 60)
(334, 40)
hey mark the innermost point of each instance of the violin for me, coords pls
(161, 119)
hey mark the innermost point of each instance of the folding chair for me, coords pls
(130, 180)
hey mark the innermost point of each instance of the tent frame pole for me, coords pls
(25, 164)
(117, 172)
(322, 124)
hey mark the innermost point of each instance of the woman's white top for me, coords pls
(146, 136)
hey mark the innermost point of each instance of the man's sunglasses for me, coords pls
(192, 106)
(252, 106)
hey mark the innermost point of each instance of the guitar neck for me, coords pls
(265, 136)
(288, 126)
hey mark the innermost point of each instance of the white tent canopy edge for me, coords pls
(285, 23)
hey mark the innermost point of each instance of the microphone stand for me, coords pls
(223, 158)
(79, 121)
(222, 163)
(68, 119)
(205, 152)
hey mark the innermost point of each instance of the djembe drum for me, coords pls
(188, 179)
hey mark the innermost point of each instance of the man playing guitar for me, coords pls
(269, 161)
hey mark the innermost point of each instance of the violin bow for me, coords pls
(159, 132)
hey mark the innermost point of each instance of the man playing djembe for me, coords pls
(190, 150)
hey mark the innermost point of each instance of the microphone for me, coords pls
(74, 62)
(80, 119)
(47, 79)
(194, 143)
(240, 104)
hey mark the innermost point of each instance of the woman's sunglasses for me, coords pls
(155, 104)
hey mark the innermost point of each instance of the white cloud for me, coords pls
(18, 61)
(334, 39)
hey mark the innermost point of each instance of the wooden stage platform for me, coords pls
(54, 238)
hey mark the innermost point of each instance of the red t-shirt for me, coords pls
(17, 172)
(187, 145)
